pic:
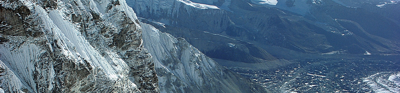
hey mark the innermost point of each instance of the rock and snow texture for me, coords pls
(184, 13)
(72, 46)
(181, 68)
(359, 3)
(384, 82)
(269, 2)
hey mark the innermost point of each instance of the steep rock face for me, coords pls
(181, 68)
(73, 46)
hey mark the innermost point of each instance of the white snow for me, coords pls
(181, 61)
(316, 75)
(386, 3)
(76, 46)
(76, 42)
(300, 6)
(269, 2)
(331, 53)
(384, 82)
(395, 78)
(380, 5)
(367, 53)
(8, 78)
(198, 5)
(19, 61)
(231, 45)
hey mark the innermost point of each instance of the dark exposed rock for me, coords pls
(48, 4)
(12, 21)
(2, 39)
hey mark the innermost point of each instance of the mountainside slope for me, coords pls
(325, 27)
(290, 45)
(73, 46)
(181, 68)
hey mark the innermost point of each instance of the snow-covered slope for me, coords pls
(181, 68)
(72, 46)
(384, 82)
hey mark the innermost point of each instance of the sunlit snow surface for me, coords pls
(269, 2)
(198, 5)
(382, 4)
(384, 82)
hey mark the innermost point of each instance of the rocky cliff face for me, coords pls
(73, 46)
(182, 68)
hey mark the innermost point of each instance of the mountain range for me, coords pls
(199, 46)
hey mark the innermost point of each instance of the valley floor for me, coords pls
(354, 73)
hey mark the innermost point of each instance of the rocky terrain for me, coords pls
(199, 46)
(182, 68)
(99, 46)
(73, 46)
(264, 40)
(324, 27)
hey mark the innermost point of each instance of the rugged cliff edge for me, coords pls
(67, 46)
(182, 68)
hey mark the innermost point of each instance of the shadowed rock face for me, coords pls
(73, 46)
